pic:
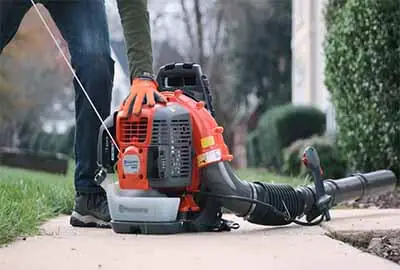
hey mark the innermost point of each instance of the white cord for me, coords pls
(74, 74)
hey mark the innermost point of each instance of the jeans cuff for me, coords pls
(89, 190)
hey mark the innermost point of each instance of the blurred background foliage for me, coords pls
(243, 46)
(245, 49)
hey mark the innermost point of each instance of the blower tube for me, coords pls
(280, 204)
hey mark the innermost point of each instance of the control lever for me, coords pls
(312, 162)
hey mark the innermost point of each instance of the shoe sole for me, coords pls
(78, 220)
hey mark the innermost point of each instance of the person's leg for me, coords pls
(11, 14)
(83, 25)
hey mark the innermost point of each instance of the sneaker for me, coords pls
(91, 210)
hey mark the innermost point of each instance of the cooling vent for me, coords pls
(160, 132)
(180, 161)
(177, 137)
(134, 131)
(181, 131)
(181, 137)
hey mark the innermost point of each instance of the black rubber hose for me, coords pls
(283, 198)
(220, 179)
(280, 204)
(241, 196)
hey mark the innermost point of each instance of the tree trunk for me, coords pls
(240, 145)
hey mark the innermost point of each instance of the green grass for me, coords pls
(263, 175)
(27, 199)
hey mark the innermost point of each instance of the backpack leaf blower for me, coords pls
(172, 172)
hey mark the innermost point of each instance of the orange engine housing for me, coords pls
(134, 135)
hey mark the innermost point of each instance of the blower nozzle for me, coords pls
(281, 204)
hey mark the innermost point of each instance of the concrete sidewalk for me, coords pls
(250, 247)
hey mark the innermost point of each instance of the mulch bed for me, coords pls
(383, 244)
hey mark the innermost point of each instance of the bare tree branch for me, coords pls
(186, 21)
(199, 27)
(218, 30)
(217, 38)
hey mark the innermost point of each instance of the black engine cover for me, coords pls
(169, 162)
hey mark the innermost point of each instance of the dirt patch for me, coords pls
(387, 200)
(385, 244)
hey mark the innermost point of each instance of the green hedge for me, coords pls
(253, 153)
(333, 8)
(333, 165)
(42, 141)
(282, 125)
(362, 72)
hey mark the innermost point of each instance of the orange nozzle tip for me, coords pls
(227, 157)
(200, 105)
(305, 161)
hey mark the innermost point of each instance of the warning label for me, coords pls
(208, 157)
(131, 164)
(207, 141)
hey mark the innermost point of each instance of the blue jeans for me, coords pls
(83, 24)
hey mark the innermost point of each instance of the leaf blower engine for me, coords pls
(170, 172)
